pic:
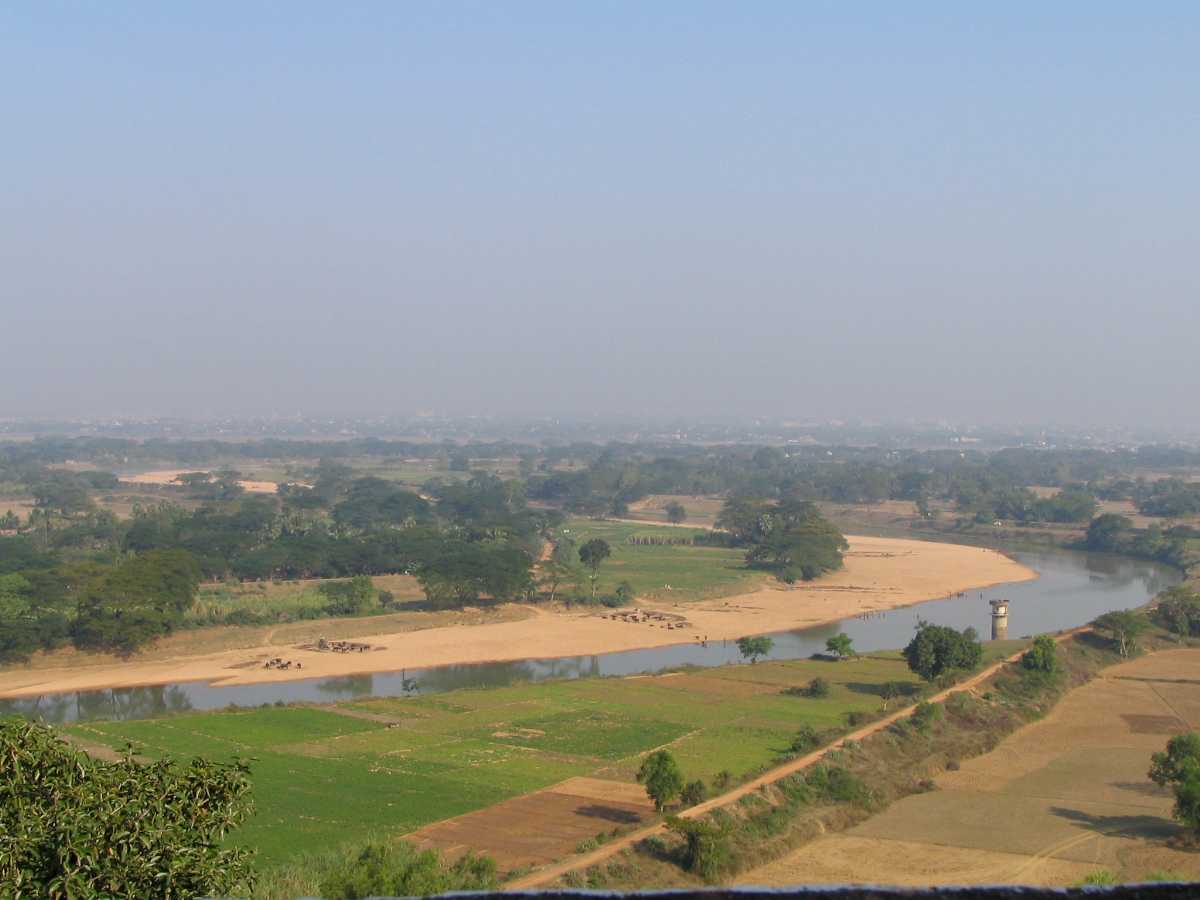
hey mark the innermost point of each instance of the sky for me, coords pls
(976, 212)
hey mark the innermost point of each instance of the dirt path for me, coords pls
(551, 873)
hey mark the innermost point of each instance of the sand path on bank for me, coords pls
(880, 574)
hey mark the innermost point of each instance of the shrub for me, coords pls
(856, 718)
(722, 779)
(816, 689)
(693, 792)
(926, 714)
(839, 785)
(401, 870)
(1042, 656)
(806, 739)
(706, 851)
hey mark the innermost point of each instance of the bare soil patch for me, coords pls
(537, 828)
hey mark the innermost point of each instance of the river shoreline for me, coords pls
(881, 575)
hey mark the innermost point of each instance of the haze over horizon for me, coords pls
(700, 209)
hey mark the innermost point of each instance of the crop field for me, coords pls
(663, 572)
(324, 776)
(1054, 803)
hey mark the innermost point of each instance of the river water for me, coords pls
(1073, 589)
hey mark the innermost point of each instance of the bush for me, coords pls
(401, 870)
(839, 785)
(814, 690)
(856, 718)
(706, 851)
(926, 714)
(1042, 656)
(74, 826)
(806, 739)
(722, 779)
(693, 792)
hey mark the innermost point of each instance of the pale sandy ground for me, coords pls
(1060, 799)
(880, 574)
(168, 476)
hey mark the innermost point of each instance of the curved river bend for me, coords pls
(1073, 589)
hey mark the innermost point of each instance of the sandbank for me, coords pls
(879, 574)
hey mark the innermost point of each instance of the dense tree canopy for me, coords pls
(937, 650)
(74, 826)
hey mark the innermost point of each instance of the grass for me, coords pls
(281, 601)
(331, 775)
(693, 573)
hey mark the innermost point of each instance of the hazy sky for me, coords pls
(975, 211)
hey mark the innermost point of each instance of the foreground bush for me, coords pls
(401, 870)
(73, 826)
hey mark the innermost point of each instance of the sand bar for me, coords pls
(880, 574)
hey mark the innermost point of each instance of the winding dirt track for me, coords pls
(541, 877)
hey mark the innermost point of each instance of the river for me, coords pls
(1073, 588)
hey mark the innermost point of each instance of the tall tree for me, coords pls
(592, 554)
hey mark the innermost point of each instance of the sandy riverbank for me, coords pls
(880, 574)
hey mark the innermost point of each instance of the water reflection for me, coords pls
(1073, 589)
(115, 703)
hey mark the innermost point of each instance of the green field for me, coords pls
(692, 572)
(326, 776)
(282, 601)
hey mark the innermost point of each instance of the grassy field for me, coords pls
(329, 775)
(692, 573)
(701, 510)
(284, 600)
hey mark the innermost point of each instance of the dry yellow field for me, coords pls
(1062, 798)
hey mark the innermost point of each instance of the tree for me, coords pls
(1123, 626)
(1042, 656)
(1105, 533)
(752, 648)
(560, 568)
(939, 649)
(10, 521)
(18, 621)
(1178, 767)
(1178, 610)
(592, 554)
(661, 775)
(706, 852)
(791, 538)
(675, 512)
(138, 601)
(75, 826)
(840, 645)
(355, 597)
